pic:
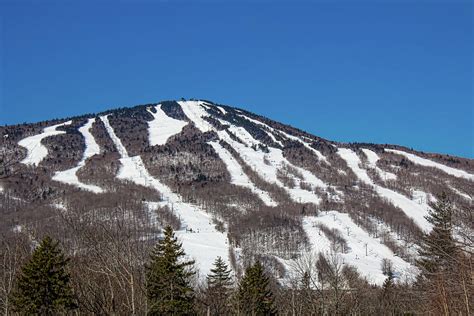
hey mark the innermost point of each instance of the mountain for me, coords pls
(231, 183)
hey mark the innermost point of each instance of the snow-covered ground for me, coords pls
(462, 194)
(411, 208)
(37, 151)
(265, 164)
(372, 159)
(270, 134)
(238, 176)
(222, 110)
(288, 136)
(366, 253)
(307, 145)
(163, 127)
(205, 243)
(429, 163)
(92, 148)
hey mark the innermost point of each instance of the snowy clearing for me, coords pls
(372, 159)
(162, 127)
(205, 243)
(411, 208)
(294, 138)
(366, 253)
(429, 163)
(270, 134)
(307, 145)
(92, 148)
(224, 112)
(37, 151)
(238, 176)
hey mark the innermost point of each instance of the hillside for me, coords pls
(231, 183)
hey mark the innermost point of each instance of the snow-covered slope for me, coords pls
(366, 253)
(411, 208)
(372, 159)
(270, 160)
(92, 148)
(204, 243)
(36, 150)
(266, 164)
(429, 163)
(288, 136)
(162, 127)
(238, 176)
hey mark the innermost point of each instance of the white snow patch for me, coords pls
(462, 194)
(366, 253)
(411, 208)
(372, 159)
(429, 163)
(163, 127)
(224, 112)
(207, 243)
(238, 176)
(60, 206)
(92, 148)
(37, 151)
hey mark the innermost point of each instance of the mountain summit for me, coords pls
(231, 183)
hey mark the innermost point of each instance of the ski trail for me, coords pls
(307, 145)
(411, 208)
(372, 159)
(265, 164)
(429, 163)
(162, 127)
(92, 148)
(204, 243)
(238, 176)
(223, 111)
(366, 253)
(270, 134)
(301, 141)
(36, 151)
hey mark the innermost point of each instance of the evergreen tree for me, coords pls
(168, 278)
(219, 284)
(254, 294)
(387, 288)
(387, 300)
(437, 248)
(43, 285)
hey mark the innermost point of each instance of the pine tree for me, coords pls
(254, 294)
(388, 296)
(168, 278)
(43, 285)
(219, 284)
(437, 248)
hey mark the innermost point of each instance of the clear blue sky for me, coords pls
(376, 71)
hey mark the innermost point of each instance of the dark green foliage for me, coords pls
(219, 286)
(438, 248)
(168, 278)
(255, 296)
(43, 286)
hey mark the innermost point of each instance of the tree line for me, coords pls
(45, 282)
